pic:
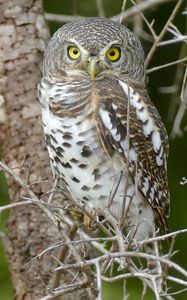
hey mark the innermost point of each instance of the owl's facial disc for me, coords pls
(92, 61)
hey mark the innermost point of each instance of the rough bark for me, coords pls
(23, 36)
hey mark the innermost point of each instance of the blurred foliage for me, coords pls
(178, 147)
(6, 291)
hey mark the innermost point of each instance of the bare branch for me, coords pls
(61, 18)
(166, 65)
(99, 281)
(131, 254)
(180, 114)
(122, 11)
(121, 256)
(182, 38)
(33, 197)
(160, 36)
(65, 290)
(142, 6)
(100, 8)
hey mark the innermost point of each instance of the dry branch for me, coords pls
(125, 15)
(162, 33)
(82, 265)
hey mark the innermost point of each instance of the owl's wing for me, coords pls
(146, 149)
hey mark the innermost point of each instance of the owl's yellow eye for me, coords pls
(113, 54)
(74, 52)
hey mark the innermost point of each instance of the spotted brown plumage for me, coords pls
(98, 119)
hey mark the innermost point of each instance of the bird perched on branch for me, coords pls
(105, 138)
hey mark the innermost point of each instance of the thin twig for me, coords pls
(61, 18)
(178, 78)
(125, 294)
(144, 5)
(160, 36)
(166, 65)
(149, 25)
(146, 256)
(100, 8)
(122, 11)
(177, 280)
(180, 114)
(33, 197)
(62, 254)
(68, 289)
(182, 38)
(156, 292)
(99, 282)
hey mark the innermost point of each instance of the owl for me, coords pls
(105, 138)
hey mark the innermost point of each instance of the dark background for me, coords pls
(166, 104)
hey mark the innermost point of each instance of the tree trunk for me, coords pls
(23, 36)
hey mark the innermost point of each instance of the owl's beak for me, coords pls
(93, 67)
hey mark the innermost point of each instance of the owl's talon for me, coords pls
(89, 223)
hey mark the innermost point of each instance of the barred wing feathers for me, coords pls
(147, 146)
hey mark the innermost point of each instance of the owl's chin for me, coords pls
(81, 74)
(77, 73)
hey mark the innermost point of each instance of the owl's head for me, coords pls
(93, 47)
